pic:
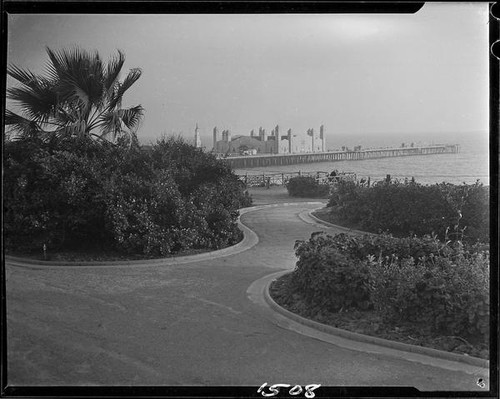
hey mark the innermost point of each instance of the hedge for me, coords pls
(440, 286)
(308, 187)
(85, 194)
(456, 212)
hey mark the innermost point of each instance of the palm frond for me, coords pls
(75, 129)
(35, 96)
(113, 72)
(132, 77)
(131, 117)
(120, 123)
(110, 125)
(79, 74)
(37, 102)
(66, 113)
(78, 95)
(23, 76)
(25, 127)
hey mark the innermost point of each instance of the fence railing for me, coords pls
(281, 179)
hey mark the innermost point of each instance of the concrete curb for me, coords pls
(474, 361)
(250, 239)
(335, 226)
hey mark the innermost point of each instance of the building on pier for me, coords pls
(264, 143)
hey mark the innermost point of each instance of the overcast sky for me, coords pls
(357, 74)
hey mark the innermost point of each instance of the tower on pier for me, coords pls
(197, 139)
(322, 137)
(310, 132)
(216, 138)
(277, 139)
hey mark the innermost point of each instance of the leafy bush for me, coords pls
(53, 195)
(81, 193)
(345, 205)
(472, 213)
(142, 214)
(447, 294)
(307, 186)
(443, 287)
(329, 277)
(450, 211)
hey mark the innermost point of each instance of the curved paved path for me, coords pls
(188, 324)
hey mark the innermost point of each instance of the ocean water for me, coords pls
(468, 166)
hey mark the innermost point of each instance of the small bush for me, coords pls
(306, 186)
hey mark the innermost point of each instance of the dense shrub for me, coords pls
(81, 193)
(332, 271)
(142, 214)
(329, 277)
(307, 186)
(473, 212)
(447, 294)
(53, 195)
(458, 212)
(443, 287)
(385, 245)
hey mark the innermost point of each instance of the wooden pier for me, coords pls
(254, 161)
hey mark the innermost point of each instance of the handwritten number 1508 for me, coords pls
(296, 390)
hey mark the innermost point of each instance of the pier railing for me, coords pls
(281, 179)
(263, 160)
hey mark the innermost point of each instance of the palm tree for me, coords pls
(79, 96)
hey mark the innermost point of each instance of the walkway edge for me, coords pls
(249, 240)
(335, 226)
(474, 361)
